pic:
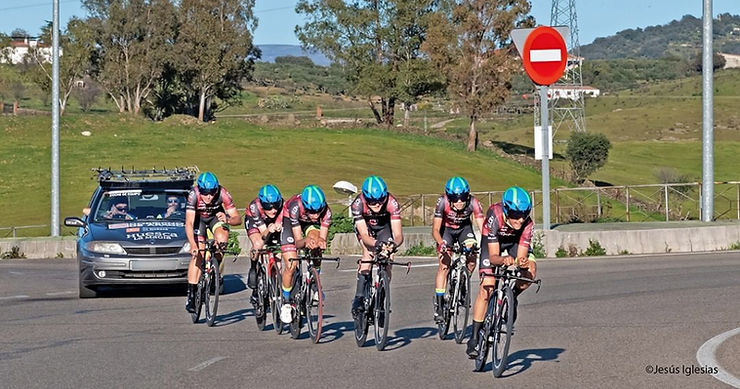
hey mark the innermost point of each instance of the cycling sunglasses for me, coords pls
(172, 201)
(518, 215)
(375, 202)
(458, 197)
(271, 206)
(209, 192)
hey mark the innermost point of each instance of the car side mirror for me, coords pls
(74, 222)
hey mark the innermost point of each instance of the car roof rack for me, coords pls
(108, 175)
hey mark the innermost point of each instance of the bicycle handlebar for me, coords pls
(511, 268)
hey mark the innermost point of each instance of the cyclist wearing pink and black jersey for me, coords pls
(263, 221)
(509, 228)
(377, 218)
(301, 214)
(209, 207)
(454, 215)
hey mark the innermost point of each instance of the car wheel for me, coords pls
(87, 292)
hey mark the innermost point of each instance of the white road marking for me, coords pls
(705, 356)
(20, 296)
(205, 364)
(61, 293)
(549, 55)
(16, 273)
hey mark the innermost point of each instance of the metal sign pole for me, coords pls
(545, 159)
(55, 123)
(707, 188)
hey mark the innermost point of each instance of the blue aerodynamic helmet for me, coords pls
(516, 203)
(270, 197)
(375, 189)
(207, 183)
(313, 199)
(457, 189)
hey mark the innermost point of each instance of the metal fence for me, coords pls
(626, 203)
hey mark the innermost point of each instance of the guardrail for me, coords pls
(13, 230)
(648, 202)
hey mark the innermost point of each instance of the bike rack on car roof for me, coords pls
(108, 175)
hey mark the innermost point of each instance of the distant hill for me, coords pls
(679, 38)
(270, 52)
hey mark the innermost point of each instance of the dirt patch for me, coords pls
(182, 120)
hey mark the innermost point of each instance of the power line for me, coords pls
(35, 5)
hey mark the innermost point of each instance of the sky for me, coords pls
(277, 18)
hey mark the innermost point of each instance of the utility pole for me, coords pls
(55, 123)
(707, 66)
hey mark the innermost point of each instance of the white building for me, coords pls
(19, 47)
(572, 92)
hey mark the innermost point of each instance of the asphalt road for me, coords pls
(600, 322)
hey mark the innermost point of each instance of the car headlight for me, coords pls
(185, 248)
(106, 248)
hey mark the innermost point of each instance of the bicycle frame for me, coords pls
(381, 260)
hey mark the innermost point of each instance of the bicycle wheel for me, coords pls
(297, 301)
(198, 299)
(461, 306)
(444, 326)
(314, 306)
(260, 309)
(211, 300)
(503, 330)
(382, 312)
(362, 323)
(276, 298)
(485, 333)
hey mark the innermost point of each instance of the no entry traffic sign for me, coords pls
(544, 55)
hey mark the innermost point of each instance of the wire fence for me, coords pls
(624, 203)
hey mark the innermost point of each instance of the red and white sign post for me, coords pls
(544, 56)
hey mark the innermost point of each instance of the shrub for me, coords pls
(594, 249)
(340, 223)
(538, 247)
(561, 253)
(14, 253)
(586, 153)
(232, 245)
(735, 246)
(419, 250)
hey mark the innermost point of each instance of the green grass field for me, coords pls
(656, 126)
(244, 157)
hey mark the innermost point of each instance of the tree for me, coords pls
(76, 48)
(470, 44)
(378, 43)
(697, 62)
(586, 153)
(215, 49)
(19, 33)
(133, 41)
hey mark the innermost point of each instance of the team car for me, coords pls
(133, 230)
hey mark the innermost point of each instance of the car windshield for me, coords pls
(138, 204)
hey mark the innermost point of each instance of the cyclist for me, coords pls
(263, 223)
(303, 214)
(507, 227)
(209, 207)
(377, 219)
(454, 215)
